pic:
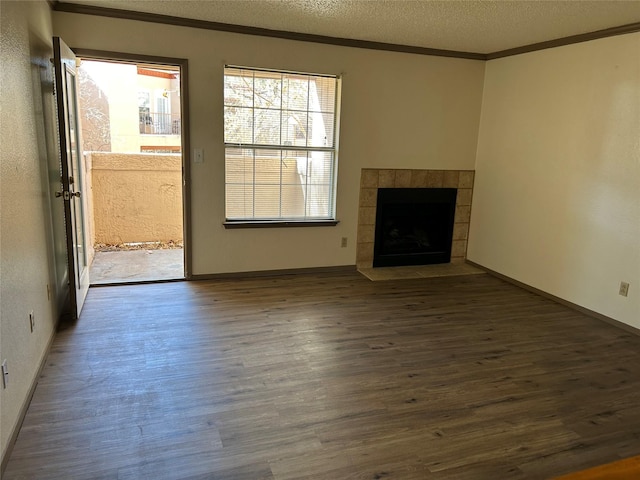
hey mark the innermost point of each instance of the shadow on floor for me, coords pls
(137, 266)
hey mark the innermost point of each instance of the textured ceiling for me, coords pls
(468, 26)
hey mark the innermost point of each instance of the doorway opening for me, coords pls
(131, 125)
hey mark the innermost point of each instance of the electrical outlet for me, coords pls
(624, 289)
(5, 374)
(32, 321)
(343, 242)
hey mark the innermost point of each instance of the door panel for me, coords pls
(72, 173)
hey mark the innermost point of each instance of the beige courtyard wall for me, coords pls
(136, 197)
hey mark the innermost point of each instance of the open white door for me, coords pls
(72, 173)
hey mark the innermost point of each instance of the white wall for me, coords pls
(557, 193)
(398, 111)
(32, 255)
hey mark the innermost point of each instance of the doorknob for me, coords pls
(76, 194)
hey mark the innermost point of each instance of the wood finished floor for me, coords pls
(330, 377)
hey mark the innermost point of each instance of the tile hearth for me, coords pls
(458, 267)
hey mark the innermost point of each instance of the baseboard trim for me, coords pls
(561, 301)
(27, 402)
(275, 273)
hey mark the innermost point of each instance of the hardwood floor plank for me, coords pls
(330, 376)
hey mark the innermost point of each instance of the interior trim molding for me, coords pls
(561, 301)
(58, 6)
(127, 57)
(560, 42)
(278, 224)
(263, 32)
(275, 273)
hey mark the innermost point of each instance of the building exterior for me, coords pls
(142, 107)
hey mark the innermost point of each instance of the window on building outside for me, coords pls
(144, 111)
(280, 145)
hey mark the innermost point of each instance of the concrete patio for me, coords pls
(123, 266)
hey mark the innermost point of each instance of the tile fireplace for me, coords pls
(406, 184)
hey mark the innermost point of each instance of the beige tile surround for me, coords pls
(371, 179)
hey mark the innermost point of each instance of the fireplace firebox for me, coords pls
(414, 226)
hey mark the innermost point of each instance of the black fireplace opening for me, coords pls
(414, 226)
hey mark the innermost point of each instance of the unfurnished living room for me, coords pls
(410, 230)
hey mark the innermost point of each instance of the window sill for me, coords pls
(279, 223)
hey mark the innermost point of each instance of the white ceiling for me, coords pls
(462, 25)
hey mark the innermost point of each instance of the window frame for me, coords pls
(281, 147)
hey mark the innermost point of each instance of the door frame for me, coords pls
(183, 64)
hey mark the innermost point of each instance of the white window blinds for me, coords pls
(280, 145)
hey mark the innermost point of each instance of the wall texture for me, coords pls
(557, 193)
(136, 197)
(398, 111)
(32, 249)
(556, 201)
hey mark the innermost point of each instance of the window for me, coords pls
(144, 111)
(280, 145)
(162, 120)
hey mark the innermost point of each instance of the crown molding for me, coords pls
(263, 32)
(560, 42)
(58, 6)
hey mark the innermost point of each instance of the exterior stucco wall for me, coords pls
(136, 197)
